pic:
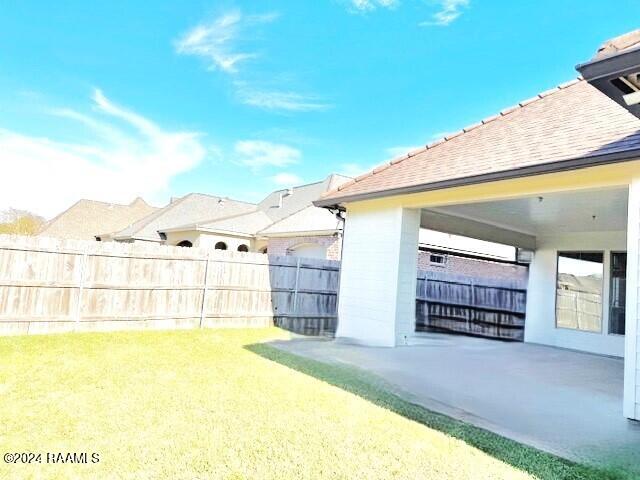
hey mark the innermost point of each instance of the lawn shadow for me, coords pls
(528, 459)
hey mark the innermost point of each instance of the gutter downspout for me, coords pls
(337, 212)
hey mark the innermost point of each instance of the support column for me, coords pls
(632, 313)
(377, 301)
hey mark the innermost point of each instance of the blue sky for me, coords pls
(109, 100)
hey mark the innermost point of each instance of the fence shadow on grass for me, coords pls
(541, 465)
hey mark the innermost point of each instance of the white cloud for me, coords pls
(260, 153)
(367, 5)
(129, 155)
(217, 41)
(278, 100)
(449, 11)
(287, 179)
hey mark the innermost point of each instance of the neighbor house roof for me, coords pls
(192, 208)
(619, 44)
(243, 224)
(282, 211)
(84, 218)
(615, 70)
(307, 220)
(297, 198)
(569, 126)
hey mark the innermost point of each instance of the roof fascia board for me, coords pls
(540, 169)
(308, 233)
(612, 66)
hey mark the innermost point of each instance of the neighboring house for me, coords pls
(190, 208)
(459, 255)
(558, 174)
(84, 218)
(283, 223)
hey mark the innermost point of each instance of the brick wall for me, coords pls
(281, 246)
(452, 263)
(471, 266)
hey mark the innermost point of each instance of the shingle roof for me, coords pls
(619, 44)
(290, 209)
(571, 121)
(245, 223)
(300, 197)
(192, 208)
(310, 219)
(87, 218)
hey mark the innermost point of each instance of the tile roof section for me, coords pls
(572, 121)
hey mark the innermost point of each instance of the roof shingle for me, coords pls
(571, 122)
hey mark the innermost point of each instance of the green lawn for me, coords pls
(221, 404)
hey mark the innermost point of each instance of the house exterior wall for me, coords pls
(370, 291)
(283, 245)
(631, 407)
(207, 240)
(540, 325)
(378, 279)
(473, 267)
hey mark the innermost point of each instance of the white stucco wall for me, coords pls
(631, 407)
(540, 325)
(378, 279)
(208, 240)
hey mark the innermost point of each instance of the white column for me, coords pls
(632, 314)
(377, 300)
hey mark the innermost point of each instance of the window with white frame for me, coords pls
(579, 291)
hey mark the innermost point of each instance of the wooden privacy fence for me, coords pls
(474, 306)
(49, 285)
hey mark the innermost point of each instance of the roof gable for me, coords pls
(192, 208)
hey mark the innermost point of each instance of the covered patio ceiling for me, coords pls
(518, 221)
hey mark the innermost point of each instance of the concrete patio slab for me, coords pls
(560, 401)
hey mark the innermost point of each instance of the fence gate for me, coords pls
(470, 305)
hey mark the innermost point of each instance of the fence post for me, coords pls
(83, 267)
(204, 290)
(473, 304)
(295, 289)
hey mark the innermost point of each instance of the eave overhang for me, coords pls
(338, 202)
(617, 77)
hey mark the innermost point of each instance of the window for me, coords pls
(264, 250)
(579, 291)
(185, 243)
(618, 293)
(220, 246)
(437, 259)
(243, 248)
